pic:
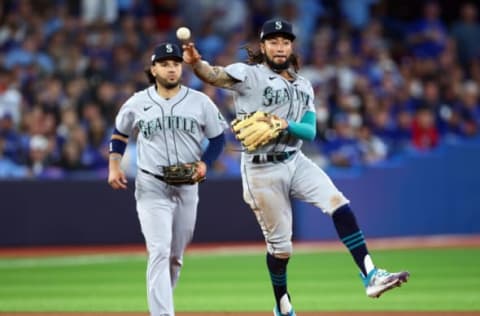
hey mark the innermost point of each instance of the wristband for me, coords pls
(117, 146)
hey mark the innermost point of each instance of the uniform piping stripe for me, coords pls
(248, 187)
(279, 282)
(352, 236)
(278, 276)
(358, 244)
(353, 241)
(278, 279)
(164, 130)
(171, 115)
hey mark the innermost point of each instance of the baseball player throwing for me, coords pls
(275, 113)
(172, 121)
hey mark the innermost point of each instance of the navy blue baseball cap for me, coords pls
(167, 51)
(277, 27)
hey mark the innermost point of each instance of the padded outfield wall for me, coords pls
(415, 195)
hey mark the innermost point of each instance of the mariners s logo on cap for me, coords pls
(277, 27)
(167, 51)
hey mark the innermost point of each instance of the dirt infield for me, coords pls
(259, 314)
(441, 241)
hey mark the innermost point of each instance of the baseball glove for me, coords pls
(257, 129)
(182, 174)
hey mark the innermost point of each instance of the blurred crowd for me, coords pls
(384, 86)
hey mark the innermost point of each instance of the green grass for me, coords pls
(441, 280)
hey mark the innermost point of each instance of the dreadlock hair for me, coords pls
(257, 57)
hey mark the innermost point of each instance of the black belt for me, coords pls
(162, 178)
(157, 176)
(273, 157)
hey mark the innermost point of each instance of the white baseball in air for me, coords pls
(183, 33)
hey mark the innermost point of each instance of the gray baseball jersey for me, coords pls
(261, 89)
(269, 186)
(169, 132)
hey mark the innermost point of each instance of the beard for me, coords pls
(169, 85)
(278, 67)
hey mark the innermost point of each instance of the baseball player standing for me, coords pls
(277, 171)
(172, 121)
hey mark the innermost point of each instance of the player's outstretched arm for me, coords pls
(214, 75)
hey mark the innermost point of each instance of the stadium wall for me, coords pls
(419, 194)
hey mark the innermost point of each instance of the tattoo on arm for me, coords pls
(214, 75)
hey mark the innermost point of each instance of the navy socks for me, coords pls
(351, 235)
(278, 275)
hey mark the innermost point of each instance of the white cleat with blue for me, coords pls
(378, 281)
(285, 309)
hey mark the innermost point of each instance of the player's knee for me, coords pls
(281, 250)
(282, 255)
(337, 202)
(158, 253)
